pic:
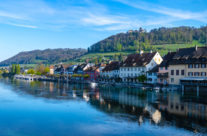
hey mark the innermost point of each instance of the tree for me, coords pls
(136, 45)
(31, 71)
(17, 69)
(40, 69)
(99, 59)
(13, 69)
(46, 71)
(121, 57)
(38, 73)
(96, 61)
(119, 46)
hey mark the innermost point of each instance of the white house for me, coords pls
(111, 70)
(136, 65)
(70, 70)
(152, 75)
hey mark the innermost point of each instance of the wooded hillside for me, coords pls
(47, 56)
(140, 39)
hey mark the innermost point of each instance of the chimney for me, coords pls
(178, 49)
(141, 52)
(196, 47)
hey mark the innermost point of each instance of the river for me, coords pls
(52, 109)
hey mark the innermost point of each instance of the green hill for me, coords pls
(48, 56)
(140, 39)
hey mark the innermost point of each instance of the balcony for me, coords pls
(162, 75)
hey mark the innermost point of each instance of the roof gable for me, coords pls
(138, 60)
(190, 55)
(114, 65)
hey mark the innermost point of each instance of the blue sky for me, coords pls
(39, 24)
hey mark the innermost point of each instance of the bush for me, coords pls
(142, 78)
(31, 71)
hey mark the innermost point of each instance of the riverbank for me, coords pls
(144, 86)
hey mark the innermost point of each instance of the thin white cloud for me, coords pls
(9, 15)
(23, 25)
(199, 16)
(102, 20)
(136, 24)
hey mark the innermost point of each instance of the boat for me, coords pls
(156, 89)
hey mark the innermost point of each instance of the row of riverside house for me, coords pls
(184, 65)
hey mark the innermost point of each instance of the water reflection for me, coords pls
(127, 104)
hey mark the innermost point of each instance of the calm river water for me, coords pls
(52, 109)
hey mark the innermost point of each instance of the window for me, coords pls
(196, 65)
(177, 72)
(176, 106)
(190, 73)
(182, 72)
(182, 107)
(190, 65)
(166, 68)
(171, 106)
(203, 65)
(203, 73)
(172, 80)
(172, 72)
(161, 68)
(196, 73)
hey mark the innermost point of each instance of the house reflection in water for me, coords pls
(178, 105)
(130, 104)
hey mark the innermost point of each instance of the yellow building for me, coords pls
(188, 64)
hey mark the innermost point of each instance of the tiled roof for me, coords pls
(80, 67)
(167, 58)
(190, 55)
(114, 65)
(59, 69)
(138, 60)
(154, 70)
(91, 69)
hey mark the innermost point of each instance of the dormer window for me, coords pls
(203, 65)
(190, 65)
(196, 65)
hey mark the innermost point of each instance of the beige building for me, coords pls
(163, 71)
(188, 64)
(51, 70)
